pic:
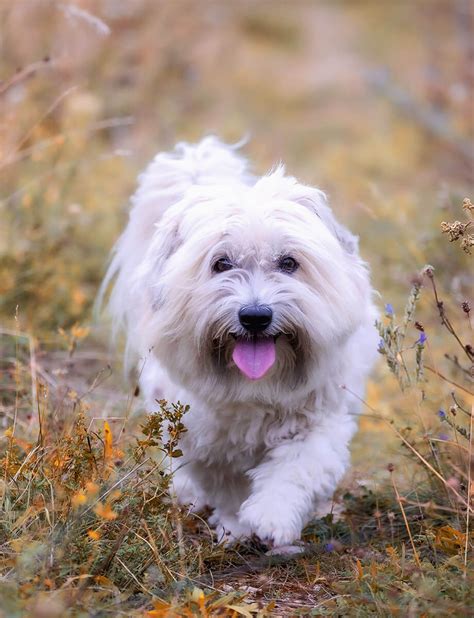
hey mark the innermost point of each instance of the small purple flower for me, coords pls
(381, 345)
(441, 414)
(389, 310)
(329, 547)
(443, 436)
(422, 339)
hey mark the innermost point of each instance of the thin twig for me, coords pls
(23, 74)
(440, 375)
(444, 318)
(469, 466)
(50, 109)
(407, 525)
(457, 364)
(135, 579)
(151, 543)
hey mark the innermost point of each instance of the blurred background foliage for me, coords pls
(370, 100)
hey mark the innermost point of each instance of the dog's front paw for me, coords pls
(228, 529)
(275, 523)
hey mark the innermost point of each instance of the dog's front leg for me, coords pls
(286, 484)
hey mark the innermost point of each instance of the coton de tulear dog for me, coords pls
(246, 299)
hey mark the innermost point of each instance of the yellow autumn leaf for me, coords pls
(79, 299)
(247, 610)
(108, 451)
(449, 539)
(78, 499)
(103, 581)
(161, 609)
(391, 551)
(197, 595)
(92, 488)
(79, 332)
(105, 511)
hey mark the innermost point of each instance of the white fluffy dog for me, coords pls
(247, 300)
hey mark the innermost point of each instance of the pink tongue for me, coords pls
(254, 357)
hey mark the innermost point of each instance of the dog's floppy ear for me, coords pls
(165, 242)
(316, 201)
(313, 199)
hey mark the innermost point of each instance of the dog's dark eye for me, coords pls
(222, 264)
(288, 264)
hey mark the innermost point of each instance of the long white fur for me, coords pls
(261, 453)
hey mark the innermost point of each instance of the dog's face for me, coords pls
(248, 286)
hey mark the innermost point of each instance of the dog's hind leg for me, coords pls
(187, 490)
(226, 491)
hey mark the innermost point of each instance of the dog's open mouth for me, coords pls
(254, 357)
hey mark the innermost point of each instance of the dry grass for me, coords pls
(90, 90)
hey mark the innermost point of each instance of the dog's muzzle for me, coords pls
(254, 353)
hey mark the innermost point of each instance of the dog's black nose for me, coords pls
(255, 317)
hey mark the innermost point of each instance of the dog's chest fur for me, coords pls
(239, 433)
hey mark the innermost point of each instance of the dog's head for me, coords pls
(248, 286)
